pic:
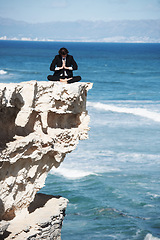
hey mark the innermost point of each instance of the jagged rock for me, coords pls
(40, 122)
(43, 220)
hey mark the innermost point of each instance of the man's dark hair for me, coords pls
(63, 51)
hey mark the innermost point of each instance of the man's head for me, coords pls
(63, 52)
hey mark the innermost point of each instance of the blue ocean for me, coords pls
(112, 180)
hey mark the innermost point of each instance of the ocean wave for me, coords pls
(71, 173)
(18, 71)
(142, 112)
(150, 237)
(108, 161)
(2, 72)
(153, 196)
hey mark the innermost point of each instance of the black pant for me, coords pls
(57, 78)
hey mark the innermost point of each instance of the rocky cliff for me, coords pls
(40, 122)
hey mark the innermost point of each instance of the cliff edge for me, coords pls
(40, 122)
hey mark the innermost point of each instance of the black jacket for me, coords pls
(57, 62)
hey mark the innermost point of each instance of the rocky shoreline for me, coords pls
(40, 122)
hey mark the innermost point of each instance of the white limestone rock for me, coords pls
(40, 122)
(42, 220)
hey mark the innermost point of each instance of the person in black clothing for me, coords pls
(63, 66)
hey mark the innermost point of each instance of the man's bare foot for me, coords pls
(63, 80)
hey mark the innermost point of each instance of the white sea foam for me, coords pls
(150, 237)
(108, 161)
(149, 205)
(142, 112)
(71, 173)
(2, 72)
(152, 195)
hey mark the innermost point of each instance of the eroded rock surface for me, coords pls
(42, 220)
(40, 122)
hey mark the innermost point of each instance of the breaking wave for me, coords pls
(71, 173)
(2, 72)
(150, 237)
(142, 112)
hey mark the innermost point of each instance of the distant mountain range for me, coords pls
(98, 31)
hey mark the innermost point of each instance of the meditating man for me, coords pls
(63, 66)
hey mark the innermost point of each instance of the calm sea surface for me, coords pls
(112, 180)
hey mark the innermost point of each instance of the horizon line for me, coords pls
(83, 20)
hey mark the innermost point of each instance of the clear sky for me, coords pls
(35, 11)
